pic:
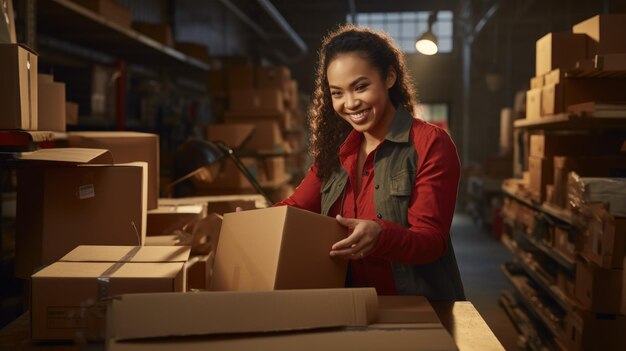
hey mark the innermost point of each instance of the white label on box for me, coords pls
(86, 191)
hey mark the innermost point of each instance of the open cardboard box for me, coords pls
(126, 147)
(278, 248)
(220, 204)
(317, 319)
(63, 203)
(67, 295)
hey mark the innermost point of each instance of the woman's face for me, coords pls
(360, 95)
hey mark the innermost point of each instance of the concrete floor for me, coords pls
(479, 258)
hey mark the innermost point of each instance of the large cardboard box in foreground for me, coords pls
(126, 147)
(18, 87)
(61, 207)
(67, 295)
(278, 248)
(326, 319)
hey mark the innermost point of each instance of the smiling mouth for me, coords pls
(359, 116)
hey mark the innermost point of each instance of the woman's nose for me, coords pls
(352, 102)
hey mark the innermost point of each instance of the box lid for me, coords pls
(95, 253)
(134, 316)
(68, 155)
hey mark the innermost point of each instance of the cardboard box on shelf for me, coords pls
(611, 62)
(278, 248)
(291, 95)
(18, 93)
(598, 289)
(584, 330)
(574, 144)
(563, 242)
(565, 283)
(110, 9)
(606, 238)
(126, 147)
(266, 137)
(555, 98)
(61, 207)
(71, 113)
(7, 22)
(67, 295)
(233, 135)
(51, 104)
(559, 50)
(159, 32)
(257, 101)
(226, 177)
(195, 50)
(533, 104)
(541, 174)
(537, 82)
(273, 168)
(240, 77)
(273, 77)
(606, 33)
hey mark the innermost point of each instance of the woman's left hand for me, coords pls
(362, 239)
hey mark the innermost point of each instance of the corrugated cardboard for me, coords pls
(7, 22)
(61, 207)
(555, 98)
(559, 50)
(533, 104)
(204, 313)
(198, 270)
(598, 289)
(584, 330)
(226, 176)
(541, 174)
(126, 147)
(273, 77)
(66, 295)
(71, 113)
(265, 137)
(606, 33)
(51, 104)
(257, 101)
(233, 135)
(410, 322)
(563, 243)
(18, 87)
(606, 238)
(166, 220)
(68, 156)
(278, 248)
(536, 82)
(220, 204)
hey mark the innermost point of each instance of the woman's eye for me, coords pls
(360, 87)
(335, 93)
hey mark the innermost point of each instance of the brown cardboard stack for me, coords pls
(266, 100)
(63, 203)
(67, 295)
(329, 319)
(556, 53)
(278, 248)
(112, 10)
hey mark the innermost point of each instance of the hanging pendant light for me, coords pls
(426, 44)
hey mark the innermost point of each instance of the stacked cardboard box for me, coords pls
(263, 122)
(552, 92)
(111, 10)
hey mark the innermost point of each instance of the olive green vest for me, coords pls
(395, 166)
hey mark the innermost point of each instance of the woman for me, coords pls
(390, 178)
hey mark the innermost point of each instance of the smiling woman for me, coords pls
(389, 178)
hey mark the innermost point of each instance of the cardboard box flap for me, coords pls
(69, 155)
(111, 134)
(405, 309)
(93, 253)
(141, 270)
(135, 316)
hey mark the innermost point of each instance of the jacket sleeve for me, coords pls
(307, 195)
(431, 207)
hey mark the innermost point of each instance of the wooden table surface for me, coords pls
(461, 319)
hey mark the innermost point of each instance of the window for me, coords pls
(437, 114)
(406, 27)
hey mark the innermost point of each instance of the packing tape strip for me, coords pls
(104, 280)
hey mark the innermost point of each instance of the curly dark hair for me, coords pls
(329, 130)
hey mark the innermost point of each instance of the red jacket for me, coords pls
(430, 211)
